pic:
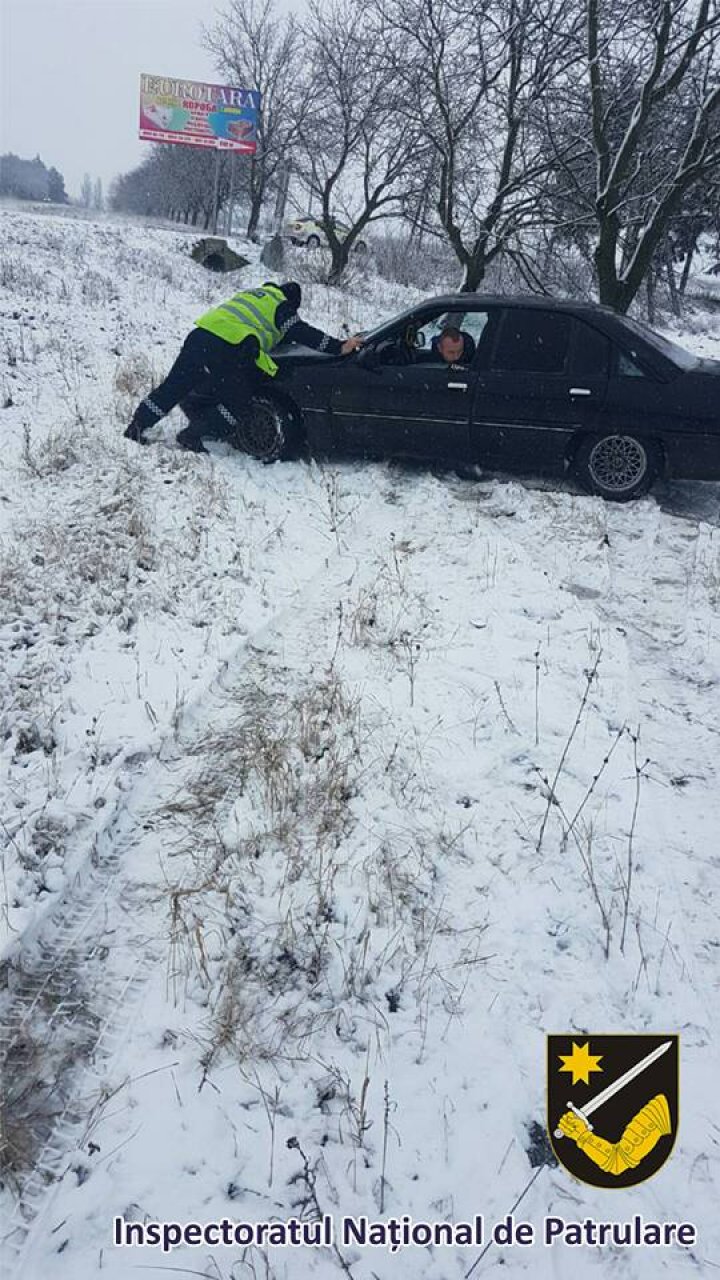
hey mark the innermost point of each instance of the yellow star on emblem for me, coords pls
(580, 1062)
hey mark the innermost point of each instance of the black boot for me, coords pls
(189, 439)
(135, 432)
(146, 415)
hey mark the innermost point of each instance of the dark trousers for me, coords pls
(225, 373)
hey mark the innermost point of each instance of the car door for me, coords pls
(638, 400)
(546, 380)
(416, 410)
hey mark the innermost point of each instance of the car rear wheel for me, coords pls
(312, 242)
(360, 246)
(617, 467)
(268, 431)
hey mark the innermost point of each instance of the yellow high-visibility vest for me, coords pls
(250, 312)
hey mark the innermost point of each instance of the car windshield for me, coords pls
(681, 358)
(398, 323)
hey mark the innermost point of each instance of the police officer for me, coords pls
(227, 354)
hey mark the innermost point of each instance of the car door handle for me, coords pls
(580, 391)
(457, 386)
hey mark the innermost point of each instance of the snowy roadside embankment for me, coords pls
(126, 576)
(389, 774)
(365, 937)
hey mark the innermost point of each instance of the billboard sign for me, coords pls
(198, 114)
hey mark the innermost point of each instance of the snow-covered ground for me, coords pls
(281, 857)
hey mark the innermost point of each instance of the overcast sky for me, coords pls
(70, 73)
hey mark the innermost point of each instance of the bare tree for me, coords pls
(473, 75)
(257, 47)
(356, 152)
(86, 191)
(669, 105)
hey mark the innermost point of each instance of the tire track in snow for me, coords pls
(79, 925)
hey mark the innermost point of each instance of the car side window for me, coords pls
(470, 322)
(628, 367)
(472, 325)
(532, 342)
(591, 352)
(411, 342)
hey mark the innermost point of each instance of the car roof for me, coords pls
(462, 302)
(466, 301)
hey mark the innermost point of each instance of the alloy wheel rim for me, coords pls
(261, 433)
(618, 463)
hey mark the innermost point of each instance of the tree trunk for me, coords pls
(650, 294)
(256, 202)
(419, 219)
(672, 282)
(610, 292)
(340, 254)
(686, 268)
(257, 196)
(473, 274)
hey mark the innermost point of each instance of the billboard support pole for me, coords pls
(231, 197)
(216, 188)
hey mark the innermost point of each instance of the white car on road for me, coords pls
(309, 232)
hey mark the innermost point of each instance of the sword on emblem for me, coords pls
(615, 1087)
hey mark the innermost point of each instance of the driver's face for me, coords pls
(451, 349)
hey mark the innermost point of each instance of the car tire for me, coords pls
(312, 242)
(360, 246)
(269, 432)
(617, 466)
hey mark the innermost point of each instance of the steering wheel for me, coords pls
(405, 354)
(395, 352)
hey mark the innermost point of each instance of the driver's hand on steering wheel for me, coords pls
(351, 344)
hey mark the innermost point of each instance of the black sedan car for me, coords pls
(542, 387)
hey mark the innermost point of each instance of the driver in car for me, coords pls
(451, 345)
(454, 346)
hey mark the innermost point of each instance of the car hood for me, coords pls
(706, 365)
(697, 393)
(296, 357)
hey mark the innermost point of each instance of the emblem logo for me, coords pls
(612, 1105)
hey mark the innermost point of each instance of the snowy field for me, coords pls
(327, 792)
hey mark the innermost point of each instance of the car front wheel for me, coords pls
(312, 242)
(617, 467)
(267, 431)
